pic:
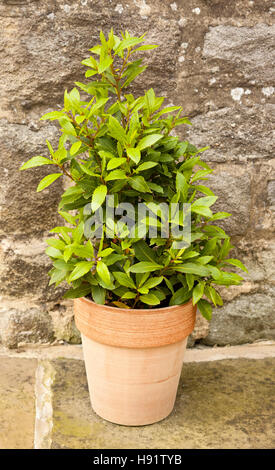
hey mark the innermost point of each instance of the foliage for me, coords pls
(115, 144)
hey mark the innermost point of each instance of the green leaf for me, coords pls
(139, 184)
(204, 190)
(103, 272)
(146, 47)
(116, 130)
(145, 166)
(204, 259)
(75, 147)
(144, 267)
(126, 43)
(49, 179)
(68, 217)
(144, 253)
(134, 154)
(53, 252)
(106, 252)
(206, 201)
(52, 115)
(57, 276)
(149, 140)
(81, 291)
(200, 175)
(220, 215)
(85, 251)
(124, 280)
(236, 262)
(181, 296)
(98, 294)
(36, 161)
(213, 295)
(80, 270)
(202, 210)
(227, 279)
(113, 258)
(56, 243)
(190, 280)
(153, 282)
(67, 127)
(68, 251)
(205, 308)
(192, 268)
(150, 299)
(198, 292)
(105, 62)
(155, 187)
(116, 175)
(99, 196)
(129, 295)
(115, 162)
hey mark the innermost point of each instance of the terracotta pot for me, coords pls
(133, 358)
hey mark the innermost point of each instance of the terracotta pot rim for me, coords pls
(136, 310)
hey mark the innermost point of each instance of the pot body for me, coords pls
(133, 359)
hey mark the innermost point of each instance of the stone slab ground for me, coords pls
(225, 400)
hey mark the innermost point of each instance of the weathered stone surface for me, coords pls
(245, 319)
(233, 133)
(222, 404)
(24, 324)
(215, 59)
(63, 323)
(24, 213)
(232, 186)
(17, 403)
(244, 47)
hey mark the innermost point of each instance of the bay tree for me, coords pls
(121, 148)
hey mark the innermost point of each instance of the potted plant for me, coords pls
(137, 279)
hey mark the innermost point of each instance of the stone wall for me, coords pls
(216, 60)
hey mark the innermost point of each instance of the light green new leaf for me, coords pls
(150, 299)
(128, 295)
(139, 184)
(206, 201)
(236, 262)
(145, 267)
(56, 243)
(124, 280)
(75, 147)
(116, 175)
(134, 154)
(80, 270)
(198, 292)
(115, 162)
(149, 140)
(36, 161)
(146, 166)
(129, 42)
(153, 282)
(99, 196)
(49, 179)
(52, 115)
(103, 272)
(53, 252)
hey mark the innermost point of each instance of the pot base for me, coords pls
(133, 386)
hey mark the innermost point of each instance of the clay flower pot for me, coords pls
(133, 358)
